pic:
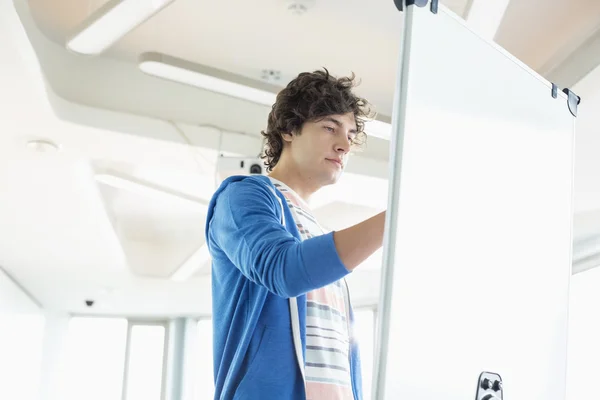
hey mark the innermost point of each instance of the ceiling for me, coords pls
(121, 207)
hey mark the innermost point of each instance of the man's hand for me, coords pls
(355, 244)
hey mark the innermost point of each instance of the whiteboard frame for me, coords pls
(406, 18)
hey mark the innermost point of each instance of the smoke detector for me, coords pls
(271, 75)
(299, 7)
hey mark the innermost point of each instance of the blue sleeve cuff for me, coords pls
(321, 260)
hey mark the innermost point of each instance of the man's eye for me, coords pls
(330, 129)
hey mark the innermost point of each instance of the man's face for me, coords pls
(320, 151)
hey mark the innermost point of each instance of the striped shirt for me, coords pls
(327, 363)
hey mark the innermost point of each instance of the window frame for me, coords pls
(131, 322)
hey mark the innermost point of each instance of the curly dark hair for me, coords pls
(312, 96)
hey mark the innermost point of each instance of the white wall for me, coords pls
(13, 300)
(21, 336)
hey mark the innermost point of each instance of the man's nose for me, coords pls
(343, 146)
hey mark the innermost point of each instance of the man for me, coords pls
(281, 312)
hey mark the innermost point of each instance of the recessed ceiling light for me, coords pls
(43, 145)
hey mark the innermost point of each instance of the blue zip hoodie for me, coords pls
(258, 264)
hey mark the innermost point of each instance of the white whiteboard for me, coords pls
(480, 239)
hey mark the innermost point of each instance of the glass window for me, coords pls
(205, 388)
(21, 340)
(95, 358)
(145, 363)
(198, 365)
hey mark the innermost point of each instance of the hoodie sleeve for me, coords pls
(246, 226)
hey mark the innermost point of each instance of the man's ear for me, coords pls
(287, 137)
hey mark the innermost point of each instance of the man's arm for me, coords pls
(246, 226)
(355, 244)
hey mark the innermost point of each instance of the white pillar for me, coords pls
(53, 356)
(175, 359)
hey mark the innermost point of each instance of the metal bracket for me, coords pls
(434, 6)
(554, 90)
(419, 3)
(572, 100)
(489, 387)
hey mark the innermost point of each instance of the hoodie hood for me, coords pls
(236, 178)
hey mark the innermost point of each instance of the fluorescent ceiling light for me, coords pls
(111, 22)
(205, 78)
(193, 264)
(182, 71)
(378, 129)
(148, 189)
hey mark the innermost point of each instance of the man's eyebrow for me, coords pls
(338, 123)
